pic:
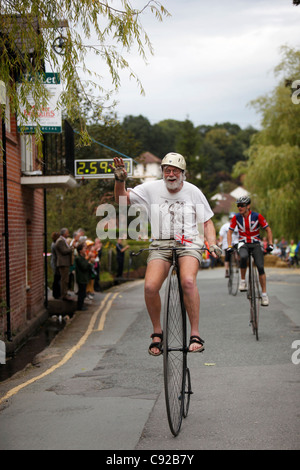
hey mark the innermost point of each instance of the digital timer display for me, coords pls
(99, 168)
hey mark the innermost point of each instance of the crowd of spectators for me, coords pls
(75, 262)
(288, 252)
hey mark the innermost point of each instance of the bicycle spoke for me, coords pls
(175, 315)
(188, 393)
(175, 390)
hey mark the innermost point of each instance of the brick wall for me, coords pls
(26, 242)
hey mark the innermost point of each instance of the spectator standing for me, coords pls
(120, 256)
(98, 252)
(64, 260)
(276, 251)
(91, 257)
(72, 276)
(297, 252)
(83, 273)
(56, 276)
(292, 253)
(283, 246)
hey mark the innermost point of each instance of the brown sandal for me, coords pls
(156, 344)
(196, 339)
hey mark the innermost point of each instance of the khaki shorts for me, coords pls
(166, 255)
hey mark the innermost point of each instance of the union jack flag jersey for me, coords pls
(248, 227)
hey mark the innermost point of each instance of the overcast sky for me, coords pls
(211, 58)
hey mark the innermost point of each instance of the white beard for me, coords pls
(173, 185)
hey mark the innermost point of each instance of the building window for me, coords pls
(26, 153)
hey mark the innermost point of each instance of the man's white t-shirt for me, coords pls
(172, 215)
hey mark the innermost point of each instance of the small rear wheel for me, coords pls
(188, 392)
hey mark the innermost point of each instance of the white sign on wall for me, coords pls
(2, 93)
(2, 353)
(49, 117)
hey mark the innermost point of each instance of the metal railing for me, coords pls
(58, 152)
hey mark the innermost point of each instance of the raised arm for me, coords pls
(120, 179)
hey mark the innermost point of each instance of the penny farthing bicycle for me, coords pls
(177, 376)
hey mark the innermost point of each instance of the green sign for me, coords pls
(49, 117)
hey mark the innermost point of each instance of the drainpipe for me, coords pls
(6, 233)
(45, 228)
(45, 248)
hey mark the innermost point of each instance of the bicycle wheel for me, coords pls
(230, 277)
(234, 274)
(253, 297)
(257, 300)
(174, 347)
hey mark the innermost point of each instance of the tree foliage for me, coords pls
(76, 207)
(211, 151)
(207, 162)
(29, 28)
(273, 165)
(274, 177)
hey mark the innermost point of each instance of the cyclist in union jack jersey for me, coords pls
(249, 224)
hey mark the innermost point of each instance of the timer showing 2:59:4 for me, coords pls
(99, 168)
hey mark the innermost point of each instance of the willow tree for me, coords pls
(273, 165)
(62, 35)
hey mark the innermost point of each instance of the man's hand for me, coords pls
(270, 248)
(215, 251)
(119, 169)
(229, 249)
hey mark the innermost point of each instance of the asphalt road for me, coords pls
(96, 387)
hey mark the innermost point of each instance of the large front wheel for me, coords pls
(174, 350)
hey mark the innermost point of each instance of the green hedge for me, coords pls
(131, 263)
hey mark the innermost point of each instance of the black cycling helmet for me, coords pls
(243, 200)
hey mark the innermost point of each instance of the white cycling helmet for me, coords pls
(174, 159)
(243, 200)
